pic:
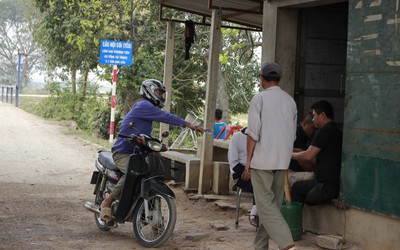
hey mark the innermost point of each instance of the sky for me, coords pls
(39, 81)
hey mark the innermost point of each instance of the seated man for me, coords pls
(299, 171)
(237, 156)
(326, 151)
(219, 125)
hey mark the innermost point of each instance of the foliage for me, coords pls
(240, 68)
(90, 113)
(99, 121)
(70, 32)
(148, 60)
(55, 88)
(16, 38)
(29, 103)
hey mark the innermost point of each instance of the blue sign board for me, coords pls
(116, 52)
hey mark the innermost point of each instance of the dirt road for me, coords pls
(44, 180)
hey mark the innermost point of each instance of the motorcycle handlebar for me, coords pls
(125, 136)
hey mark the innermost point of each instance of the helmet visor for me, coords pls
(161, 94)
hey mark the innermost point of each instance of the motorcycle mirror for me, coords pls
(165, 134)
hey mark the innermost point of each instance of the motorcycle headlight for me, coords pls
(154, 145)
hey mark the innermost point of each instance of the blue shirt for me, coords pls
(218, 126)
(142, 114)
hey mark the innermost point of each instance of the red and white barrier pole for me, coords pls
(113, 100)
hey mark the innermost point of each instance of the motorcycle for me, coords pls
(145, 199)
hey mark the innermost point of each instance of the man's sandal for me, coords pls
(105, 213)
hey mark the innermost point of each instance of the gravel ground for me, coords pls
(44, 180)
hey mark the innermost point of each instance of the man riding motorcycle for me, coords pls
(142, 115)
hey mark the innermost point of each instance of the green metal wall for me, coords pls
(371, 138)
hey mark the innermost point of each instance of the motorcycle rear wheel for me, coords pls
(101, 224)
(160, 224)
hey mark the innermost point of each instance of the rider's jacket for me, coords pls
(142, 114)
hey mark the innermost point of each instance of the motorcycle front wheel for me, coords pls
(159, 225)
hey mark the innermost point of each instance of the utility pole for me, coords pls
(19, 78)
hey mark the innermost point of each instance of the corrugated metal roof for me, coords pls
(243, 12)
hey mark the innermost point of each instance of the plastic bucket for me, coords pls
(292, 212)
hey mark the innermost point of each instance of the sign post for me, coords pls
(18, 86)
(115, 53)
(113, 100)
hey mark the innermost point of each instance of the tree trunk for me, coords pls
(84, 83)
(222, 98)
(24, 70)
(73, 81)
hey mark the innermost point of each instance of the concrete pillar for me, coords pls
(192, 176)
(221, 177)
(286, 40)
(211, 98)
(168, 66)
(269, 32)
(279, 45)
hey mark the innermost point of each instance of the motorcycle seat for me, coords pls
(105, 158)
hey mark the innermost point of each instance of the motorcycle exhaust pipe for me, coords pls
(92, 207)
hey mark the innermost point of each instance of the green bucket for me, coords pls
(291, 211)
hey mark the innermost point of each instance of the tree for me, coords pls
(71, 30)
(53, 35)
(16, 38)
(240, 67)
(77, 27)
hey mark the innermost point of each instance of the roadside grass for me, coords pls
(86, 136)
(27, 103)
(239, 120)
